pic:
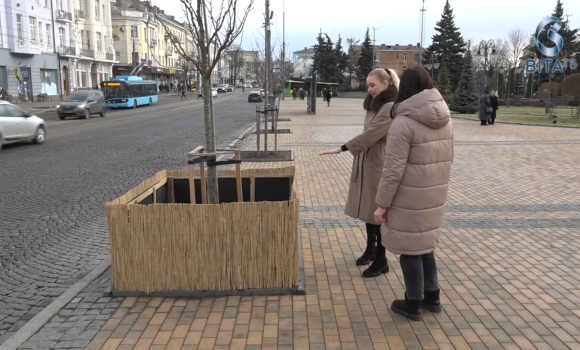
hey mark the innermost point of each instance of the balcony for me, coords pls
(88, 53)
(62, 15)
(79, 15)
(169, 52)
(153, 42)
(67, 51)
(110, 56)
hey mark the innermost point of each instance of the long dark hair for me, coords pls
(413, 81)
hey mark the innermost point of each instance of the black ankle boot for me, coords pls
(432, 301)
(408, 308)
(367, 256)
(369, 253)
(380, 265)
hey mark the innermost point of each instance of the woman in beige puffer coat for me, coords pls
(412, 193)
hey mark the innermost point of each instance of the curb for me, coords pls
(524, 124)
(38, 321)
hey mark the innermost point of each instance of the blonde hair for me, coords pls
(389, 75)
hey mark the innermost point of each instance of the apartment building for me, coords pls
(140, 34)
(83, 35)
(28, 64)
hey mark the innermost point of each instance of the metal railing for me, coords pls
(79, 14)
(67, 50)
(87, 53)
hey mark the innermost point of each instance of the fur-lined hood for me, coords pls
(374, 104)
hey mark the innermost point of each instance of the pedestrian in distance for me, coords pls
(368, 150)
(494, 102)
(183, 93)
(485, 109)
(328, 96)
(412, 193)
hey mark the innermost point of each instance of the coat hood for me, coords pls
(427, 107)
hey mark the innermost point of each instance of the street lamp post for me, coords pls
(487, 50)
(432, 65)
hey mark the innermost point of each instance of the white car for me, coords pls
(213, 93)
(17, 125)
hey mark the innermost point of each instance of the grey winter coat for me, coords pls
(484, 102)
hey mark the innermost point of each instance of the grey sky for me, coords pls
(398, 22)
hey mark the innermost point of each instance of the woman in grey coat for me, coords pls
(484, 104)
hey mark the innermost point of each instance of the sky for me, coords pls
(397, 22)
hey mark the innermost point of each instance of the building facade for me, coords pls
(28, 64)
(84, 41)
(397, 57)
(142, 35)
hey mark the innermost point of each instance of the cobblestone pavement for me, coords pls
(508, 260)
(52, 218)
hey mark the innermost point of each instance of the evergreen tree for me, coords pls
(325, 62)
(365, 60)
(341, 60)
(444, 84)
(448, 45)
(465, 98)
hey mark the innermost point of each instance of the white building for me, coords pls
(28, 65)
(83, 34)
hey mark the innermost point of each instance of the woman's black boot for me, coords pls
(369, 253)
(380, 264)
(432, 301)
(408, 308)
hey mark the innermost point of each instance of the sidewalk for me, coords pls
(508, 260)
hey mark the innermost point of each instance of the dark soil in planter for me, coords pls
(272, 156)
(280, 131)
(269, 189)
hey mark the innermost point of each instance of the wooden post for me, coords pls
(191, 185)
(252, 189)
(239, 177)
(170, 191)
(203, 183)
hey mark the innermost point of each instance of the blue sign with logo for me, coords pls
(550, 65)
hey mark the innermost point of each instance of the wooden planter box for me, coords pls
(161, 243)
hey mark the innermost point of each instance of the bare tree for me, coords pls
(517, 41)
(214, 26)
(235, 60)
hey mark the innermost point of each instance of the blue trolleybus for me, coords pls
(129, 92)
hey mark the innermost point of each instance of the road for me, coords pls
(52, 196)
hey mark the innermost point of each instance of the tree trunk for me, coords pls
(212, 183)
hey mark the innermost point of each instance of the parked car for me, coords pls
(255, 96)
(82, 104)
(17, 125)
(222, 88)
(262, 93)
(230, 88)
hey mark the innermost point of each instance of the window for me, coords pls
(105, 43)
(61, 37)
(40, 32)
(32, 28)
(60, 5)
(19, 26)
(46, 3)
(11, 111)
(404, 57)
(99, 42)
(48, 81)
(134, 32)
(49, 34)
(97, 9)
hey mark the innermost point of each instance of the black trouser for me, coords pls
(420, 274)
(493, 115)
(484, 122)
(375, 230)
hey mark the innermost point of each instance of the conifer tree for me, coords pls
(465, 98)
